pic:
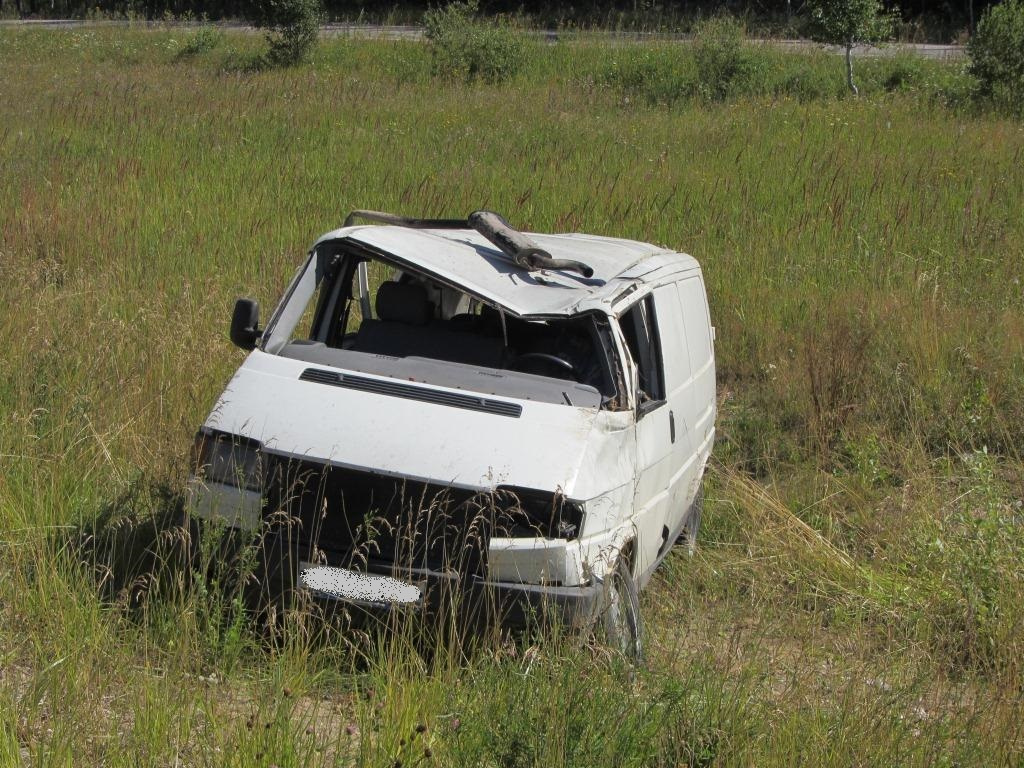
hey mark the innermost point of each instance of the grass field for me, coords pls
(858, 597)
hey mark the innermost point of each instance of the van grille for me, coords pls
(412, 392)
(353, 518)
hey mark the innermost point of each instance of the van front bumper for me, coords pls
(477, 601)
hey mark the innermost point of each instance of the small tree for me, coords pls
(849, 22)
(465, 46)
(292, 27)
(724, 63)
(997, 55)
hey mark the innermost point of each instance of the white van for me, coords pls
(452, 402)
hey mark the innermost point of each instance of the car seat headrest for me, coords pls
(403, 303)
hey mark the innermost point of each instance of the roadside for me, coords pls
(415, 32)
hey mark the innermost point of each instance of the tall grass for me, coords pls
(857, 597)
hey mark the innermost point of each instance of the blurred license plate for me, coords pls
(342, 584)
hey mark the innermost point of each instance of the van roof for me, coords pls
(465, 258)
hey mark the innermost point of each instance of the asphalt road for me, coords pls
(409, 32)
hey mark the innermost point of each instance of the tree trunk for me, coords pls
(970, 14)
(849, 69)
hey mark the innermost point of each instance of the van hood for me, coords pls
(441, 442)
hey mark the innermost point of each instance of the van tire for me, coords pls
(691, 528)
(619, 622)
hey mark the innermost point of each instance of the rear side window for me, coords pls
(640, 329)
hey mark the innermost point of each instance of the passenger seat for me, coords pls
(402, 309)
(406, 328)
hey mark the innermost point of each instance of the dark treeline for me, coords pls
(935, 18)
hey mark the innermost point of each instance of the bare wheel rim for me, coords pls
(621, 616)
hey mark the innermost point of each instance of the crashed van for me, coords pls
(453, 405)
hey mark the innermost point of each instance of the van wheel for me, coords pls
(619, 621)
(691, 528)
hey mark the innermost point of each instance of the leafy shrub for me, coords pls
(465, 47)
(725, 65)
(204, 39)
(997, 55)
(718, 68)
(292, 27)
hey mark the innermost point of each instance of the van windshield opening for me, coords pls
(365, 314)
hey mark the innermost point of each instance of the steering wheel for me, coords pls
(558, 362)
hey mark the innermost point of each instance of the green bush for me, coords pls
(997, 55)
(725, 65)
(292, 27)
(717, 68)
(465, 47)
(204, 39)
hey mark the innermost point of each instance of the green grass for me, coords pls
(858, 596)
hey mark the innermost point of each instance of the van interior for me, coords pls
(371, 316)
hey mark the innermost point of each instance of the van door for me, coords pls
(656, 428)
(685, 330)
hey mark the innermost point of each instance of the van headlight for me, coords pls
(525, 512)
(219, 457)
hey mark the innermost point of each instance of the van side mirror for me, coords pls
(245, 322)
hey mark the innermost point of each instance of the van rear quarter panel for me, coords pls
(700, 346)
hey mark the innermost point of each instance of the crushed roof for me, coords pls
(464, 257)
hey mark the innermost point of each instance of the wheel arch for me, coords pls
(627, 552)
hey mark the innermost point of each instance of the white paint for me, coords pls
(467, 259)
(541, 449)
(633, 480)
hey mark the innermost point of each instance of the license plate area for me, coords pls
(330, 583)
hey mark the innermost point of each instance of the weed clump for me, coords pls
(720, 65)
(466, 47)
(997, 56)
(657, 75)
(204, 39)
(968, 560)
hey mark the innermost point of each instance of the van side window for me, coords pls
(639, 327)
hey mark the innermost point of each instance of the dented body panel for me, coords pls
(470, 261)
(471, 378)
(266, 401)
